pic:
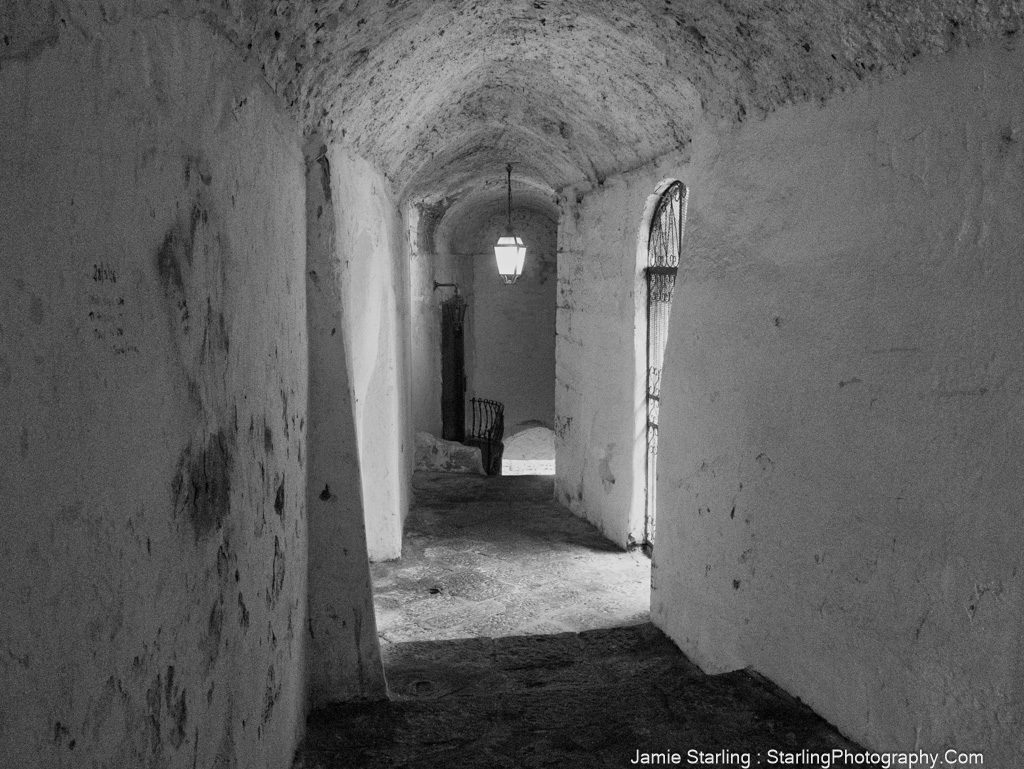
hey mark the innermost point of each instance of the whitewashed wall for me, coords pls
(153, 380)
(842, 450)
(373, 278)
(599, 355)
(343, 658)
(424, 321)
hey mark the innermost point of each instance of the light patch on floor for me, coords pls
(496, 556)
(527, 467)
(529, 450)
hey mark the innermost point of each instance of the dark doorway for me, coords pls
(453, 378)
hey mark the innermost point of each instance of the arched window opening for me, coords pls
(664, 246)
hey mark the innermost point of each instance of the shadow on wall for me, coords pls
(529, 450)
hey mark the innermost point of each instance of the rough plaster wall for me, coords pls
(343, 659)
(437, 93)
(153, 375)
(432, 91)
(373, 265)
(597, 440)
(841, 430)
(510, 330)
(425, 324)
(846, 376)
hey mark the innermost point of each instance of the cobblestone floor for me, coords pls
(514, 635)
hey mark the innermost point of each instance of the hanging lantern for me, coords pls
(510, 251)
(455, 309)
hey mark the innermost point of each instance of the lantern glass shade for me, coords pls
(510, 253)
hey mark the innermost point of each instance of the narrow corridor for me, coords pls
(514, 635)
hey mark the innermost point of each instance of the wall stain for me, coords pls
(202, 486)
(225, 758)
(276, 575)
(154, 703)
(177, 249)
(31, 28)
(201, 340)
(197, 164)
(243, 613)
(325, 172)
(279, 500)
(604, 468)
(177, 710)
(223, 338)
(271, 694)
(210, 645)
(60, 733)
(223, 560)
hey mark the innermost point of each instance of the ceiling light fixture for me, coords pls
(510, 252)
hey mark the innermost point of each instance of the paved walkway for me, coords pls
(515, 636)
(488, 557)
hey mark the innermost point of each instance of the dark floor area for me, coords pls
(591, 699)
(497, 560)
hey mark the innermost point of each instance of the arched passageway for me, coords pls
(210, 331)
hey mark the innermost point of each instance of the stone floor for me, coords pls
(496, 556)
(514, 635)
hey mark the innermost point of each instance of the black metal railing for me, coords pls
(487, 428)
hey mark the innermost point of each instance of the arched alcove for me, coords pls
(509, 330)
(659, 245)
(529, 450)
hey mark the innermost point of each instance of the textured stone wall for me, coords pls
(841, 431)
(436, 93)
(373, 268)
(153, 380)
(599, 438)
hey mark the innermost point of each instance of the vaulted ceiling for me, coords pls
(440, 94)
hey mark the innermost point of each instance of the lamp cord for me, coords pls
(508, 168)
